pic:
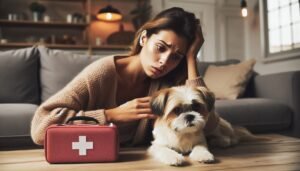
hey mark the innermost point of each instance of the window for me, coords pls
(282, 28)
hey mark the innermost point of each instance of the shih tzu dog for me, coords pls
(180, 128)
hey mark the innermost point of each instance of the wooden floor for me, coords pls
(279, 154)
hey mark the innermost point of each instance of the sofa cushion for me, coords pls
(58, 67)
(15, 119)
(257, 114)
(229, 82)
(19, 76)
(202, 66)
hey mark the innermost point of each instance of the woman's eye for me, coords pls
(160, 48)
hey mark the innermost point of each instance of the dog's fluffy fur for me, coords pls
(183, 112)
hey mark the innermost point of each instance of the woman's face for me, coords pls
(161, 52)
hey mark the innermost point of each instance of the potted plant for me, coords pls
(37, 10)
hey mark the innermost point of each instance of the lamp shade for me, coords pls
(109, 13)
(243, 4)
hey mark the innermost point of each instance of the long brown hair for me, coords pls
(183, 23)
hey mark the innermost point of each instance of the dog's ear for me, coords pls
(158, 102)
(208, 96)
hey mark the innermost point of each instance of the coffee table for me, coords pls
(280, 153)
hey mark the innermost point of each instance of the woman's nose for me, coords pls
(163, 60)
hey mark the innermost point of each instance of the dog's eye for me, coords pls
(197, 107)
(177, 110)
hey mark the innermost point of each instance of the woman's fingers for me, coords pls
(146, 116)
(144, 99)
(144, 111)
(143, 105)
(136, 109)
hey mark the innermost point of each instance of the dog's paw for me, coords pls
(202, 156)
(172, 158)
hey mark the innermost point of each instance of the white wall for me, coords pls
(233, 37)
(230, 30)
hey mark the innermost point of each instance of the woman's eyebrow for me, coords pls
(170, 45)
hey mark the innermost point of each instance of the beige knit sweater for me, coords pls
(88, 94)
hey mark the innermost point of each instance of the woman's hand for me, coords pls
(196, 45)
(136, 109)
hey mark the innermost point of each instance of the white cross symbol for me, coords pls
(82, 145)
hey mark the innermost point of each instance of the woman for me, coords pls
(118, 88)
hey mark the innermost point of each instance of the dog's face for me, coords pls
(183, 109)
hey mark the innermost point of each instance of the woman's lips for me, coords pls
(156, 70)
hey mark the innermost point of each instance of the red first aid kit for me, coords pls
(81, 143)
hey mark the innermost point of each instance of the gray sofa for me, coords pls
(271, 103)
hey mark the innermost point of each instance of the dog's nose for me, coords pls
(189, 118)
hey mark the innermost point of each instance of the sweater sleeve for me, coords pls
(75, 98)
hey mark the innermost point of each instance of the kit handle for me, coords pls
(82, 118)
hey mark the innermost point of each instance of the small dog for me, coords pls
(183, 114)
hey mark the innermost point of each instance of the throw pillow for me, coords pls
(19, 76)
(229, 82)
(202, 66)
(59, 67)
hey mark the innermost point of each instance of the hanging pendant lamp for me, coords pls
(244, 10)
(109, 13)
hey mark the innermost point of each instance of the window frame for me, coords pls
(267, 56)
